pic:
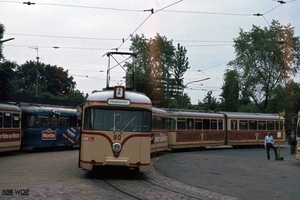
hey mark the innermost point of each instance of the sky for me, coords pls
(76, 34)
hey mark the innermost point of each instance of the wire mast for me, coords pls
(109, 68)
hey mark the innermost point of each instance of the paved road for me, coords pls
(241, 173)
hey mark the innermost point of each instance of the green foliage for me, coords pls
(209, 103)
(1, 36)
(230, 91)
(51, 81)
(263, 62)
(6, 80)
(157, 70)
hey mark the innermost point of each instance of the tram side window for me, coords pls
(165, 123)
(233, 124)
(87, 120)
(154, 122)
(43, 120)
(220, 124)
(281, 125)
(262, 125)
(172, 124)
(1, 119)
(7, 120)
(54, 121)
(16, 120)
(206, 124)
(63, 121)
(72, 121)
(160, 122)
(243, 125)
(198, 124)
(181, 123)
(28, 120)
(146, 116)
(213, 124)
(252, 125)
(190, 124)
(270, 125)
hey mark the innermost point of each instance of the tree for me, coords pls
(209, 103)
(1, 36)
(6, 80)
(264, 59)
(50, 81)
(158, 69)
(286, 98)
(230, 91)
(181, 65)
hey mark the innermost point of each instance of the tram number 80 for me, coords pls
(117, 137)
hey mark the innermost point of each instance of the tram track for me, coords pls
(149, 185)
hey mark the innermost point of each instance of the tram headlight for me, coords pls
(116, 147)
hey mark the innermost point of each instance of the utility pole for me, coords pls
(37, 72)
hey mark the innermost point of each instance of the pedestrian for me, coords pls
(292, 142)
(269, 144)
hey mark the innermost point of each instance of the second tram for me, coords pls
(194, 129)
(49, 126)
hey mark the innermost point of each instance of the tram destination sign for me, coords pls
(124, 102)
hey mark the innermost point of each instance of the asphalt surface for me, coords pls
(241, 173)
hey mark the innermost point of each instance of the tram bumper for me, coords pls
(117, 162)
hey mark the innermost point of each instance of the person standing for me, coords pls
(269, 144)
(292, 142)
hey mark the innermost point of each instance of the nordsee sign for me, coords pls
(124, 102)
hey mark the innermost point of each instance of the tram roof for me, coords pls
(243, 115)
(9, 107)
(159, 111)
(48, 110)
(134, 97)
(178, 113)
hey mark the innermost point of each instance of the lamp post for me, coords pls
(196, 81)
(6, 40)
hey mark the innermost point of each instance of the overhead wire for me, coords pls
(131, 10)
(152, 12)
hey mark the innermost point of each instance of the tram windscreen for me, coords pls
(117, 120)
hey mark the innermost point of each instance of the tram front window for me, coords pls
(117, 120)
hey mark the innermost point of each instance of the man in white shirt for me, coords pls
(269, 144)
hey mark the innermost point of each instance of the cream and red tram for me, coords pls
(160, 126)
(10, 127)
(193, 129)
(116, 130)
(251, 128)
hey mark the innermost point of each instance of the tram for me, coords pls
(195, 129)
(160, 130)
(116, 130)
(252, 128)
(10, 127)
(49, 126)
